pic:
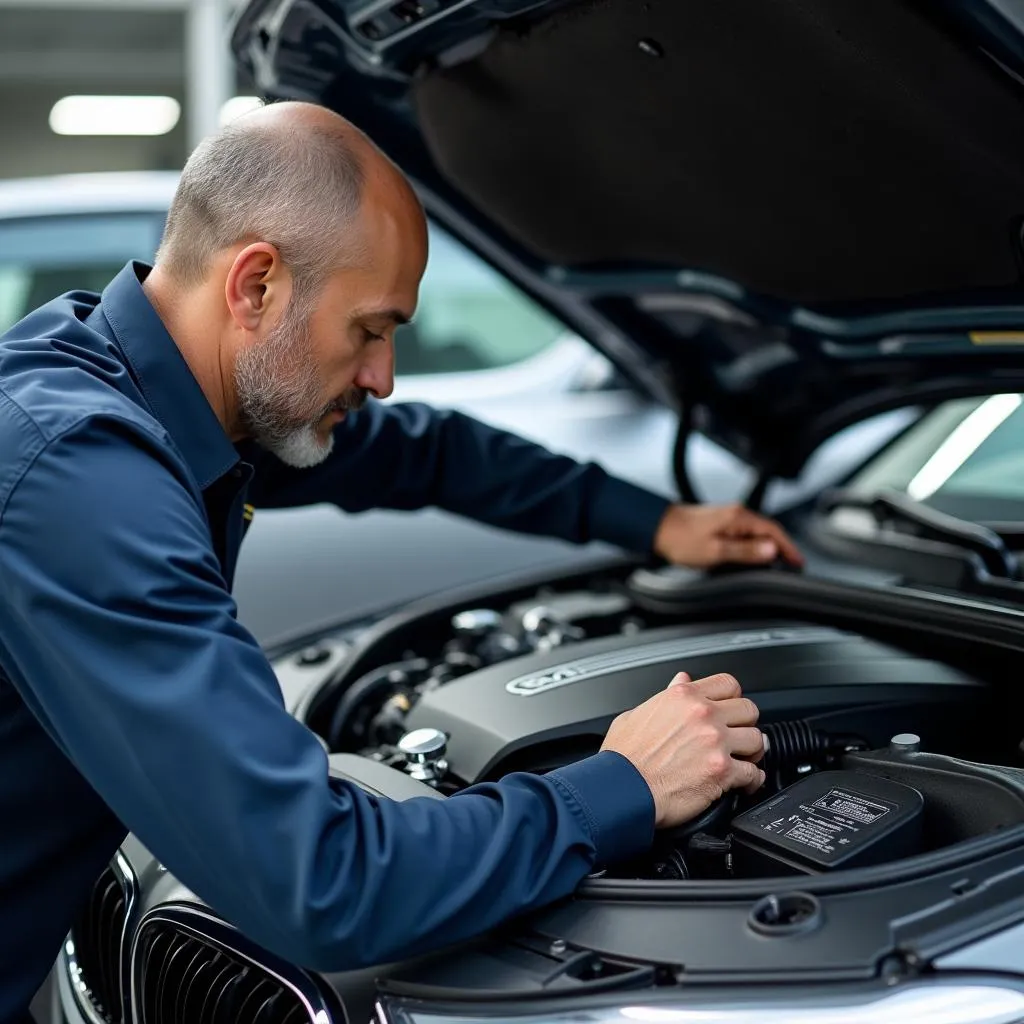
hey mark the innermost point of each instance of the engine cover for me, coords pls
(542, 710)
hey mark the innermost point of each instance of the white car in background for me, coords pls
(478, 344)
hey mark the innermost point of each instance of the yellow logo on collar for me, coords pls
(248, 511)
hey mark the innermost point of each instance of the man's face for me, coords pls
(295, 384)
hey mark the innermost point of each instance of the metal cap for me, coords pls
(905, 743)
(424, 755)
(423, 744)
(545, 629)
(540, 619)
(476, 622)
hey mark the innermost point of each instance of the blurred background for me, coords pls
(102, 85)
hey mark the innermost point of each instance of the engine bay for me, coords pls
(877, 748)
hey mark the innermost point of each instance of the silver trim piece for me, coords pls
(207, 927)
(980, 1001)
(665, 651)
(70, 973)
(130, 884)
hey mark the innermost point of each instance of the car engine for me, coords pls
(874, 751)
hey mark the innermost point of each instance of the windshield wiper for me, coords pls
(895, 510)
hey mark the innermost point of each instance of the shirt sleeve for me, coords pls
(121, 636)
(411, 456)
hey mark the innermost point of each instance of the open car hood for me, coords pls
(782, 216)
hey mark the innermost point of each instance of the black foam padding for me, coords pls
(815, 150)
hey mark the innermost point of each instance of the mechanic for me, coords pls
(244, 367)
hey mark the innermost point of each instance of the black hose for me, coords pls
(793, 743)
(755, 499)
(680, 463)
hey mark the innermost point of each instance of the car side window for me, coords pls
(470, 317)
(43, 257)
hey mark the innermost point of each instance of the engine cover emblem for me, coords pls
(666, 651)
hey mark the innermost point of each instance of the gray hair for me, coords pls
(296, 187)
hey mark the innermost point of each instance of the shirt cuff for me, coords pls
(611, 796)
(625, 515)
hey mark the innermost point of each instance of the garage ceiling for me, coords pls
(50, 49)
(43, 45)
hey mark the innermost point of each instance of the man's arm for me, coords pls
(410, 456)
(123, 641)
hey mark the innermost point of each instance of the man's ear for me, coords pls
(258, 286)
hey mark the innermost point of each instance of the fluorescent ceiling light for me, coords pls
(114, 115)
(237, 106)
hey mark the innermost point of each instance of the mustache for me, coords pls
(351, 400)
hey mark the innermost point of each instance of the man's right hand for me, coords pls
(691, 743)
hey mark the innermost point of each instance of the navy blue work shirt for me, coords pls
(131, 699)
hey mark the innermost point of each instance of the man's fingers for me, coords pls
(790, 552)
(679, 677)
(747, 550)
(746, 742)
(765, 531)
(746, 776)
(738, 711)
(720, 686)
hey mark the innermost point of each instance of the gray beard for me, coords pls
(278, 392)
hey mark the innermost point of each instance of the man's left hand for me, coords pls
(702, 536)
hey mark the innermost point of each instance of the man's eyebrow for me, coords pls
(396, 316)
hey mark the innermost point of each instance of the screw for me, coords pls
(651, 47)
(558, 947)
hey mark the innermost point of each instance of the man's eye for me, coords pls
(369, 336)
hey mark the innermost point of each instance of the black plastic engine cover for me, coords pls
(546, 709)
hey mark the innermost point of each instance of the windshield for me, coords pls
(43, 257)
(965, 458)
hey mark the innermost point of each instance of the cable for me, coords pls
(680, 468)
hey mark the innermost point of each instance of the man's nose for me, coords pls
(377, 374)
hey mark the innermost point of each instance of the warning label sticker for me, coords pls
(815, 833)
(830, 823)
(852, 805)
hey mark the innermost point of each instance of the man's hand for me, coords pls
(691, 743)
(702, 536)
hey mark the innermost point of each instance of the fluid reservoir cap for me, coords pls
(477, 622)
(905, 743)
(423, 744)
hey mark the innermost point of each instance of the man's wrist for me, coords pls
(626, 515)
(614, 800)
(659, 542)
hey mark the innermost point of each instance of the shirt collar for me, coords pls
(173, 393)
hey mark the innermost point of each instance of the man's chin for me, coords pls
(303, 448)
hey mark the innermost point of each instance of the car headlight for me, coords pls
(933, 1002)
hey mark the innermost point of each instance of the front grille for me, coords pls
(95, 948)
(186, 978)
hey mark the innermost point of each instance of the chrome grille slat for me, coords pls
(182, 976)
(201, 973)
(207, 1015)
